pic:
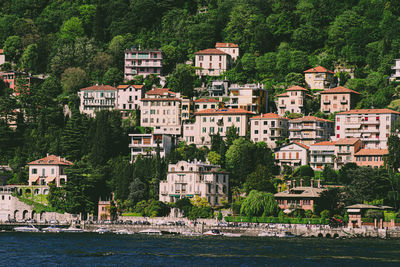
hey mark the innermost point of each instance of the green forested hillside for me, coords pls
(79, 43)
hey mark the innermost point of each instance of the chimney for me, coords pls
(312, 182)
(319, 183)
(301, 182)
(47, 154)
(294, 183)
(59, 158)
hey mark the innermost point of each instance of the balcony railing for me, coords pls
(326, 101)
(343, 101)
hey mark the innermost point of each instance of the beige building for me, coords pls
(318, 78)
(212, 62)
(96, 98)
(269, 128)
(48, 169)
(161, 109)
(229, 48)
(212, 121)
(322, 154)
(373, 158)
(372, 126)
(250, 97)
(338, 99)
(205, 103)
(309, 130)
(345, 148)
(292, 101)
(129, 98)
(293, 154)
(189, 179)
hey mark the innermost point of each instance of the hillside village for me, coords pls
(139, 131)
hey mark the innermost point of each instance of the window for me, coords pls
(204, 130)
(265, 131)
(210, 59)
(338, 136)
(255, 131)
(237, 119)
(211, 129)
(204, 119)
(229, 119)
(220, 58)
(34, 171)
(52, 171)
(200, 59)
(337, 127)
(256, 123)
(265, 122)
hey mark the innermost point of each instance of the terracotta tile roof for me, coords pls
(339, 90)
(161, 99)
(205, 100)
(1, 51)
(159, 91)
(99, 88)
(371, 152)
(51, 160)
(223, 111)
(282, 95)
(269, 116)
(210, 51)
(324, 143)
(370, 111)
(309, 118)
(347, 141)
(302, 145)
(124, 86)
(296, 88)
(230, 45)
(319, 69)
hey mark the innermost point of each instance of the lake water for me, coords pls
(32, 249)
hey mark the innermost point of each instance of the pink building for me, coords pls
(293, 100)
(371, 157)
(212, 62)
(142, 62)
(338, 99)
(229, 48)
(301, 197)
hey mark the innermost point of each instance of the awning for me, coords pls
(189, 195)
(49, 179)
(177, 196)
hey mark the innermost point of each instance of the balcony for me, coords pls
(88, 97)
(369, 130)
(164, 193)
(344, 101)
(344, 152)
(130, 101)
(326, 102)
(282, 106)
(370, 122)
(197, 192)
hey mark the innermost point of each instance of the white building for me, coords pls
(218, 88)
(309, 130)
(292, 101)
(212, 121)
(229, 48)
(146, 144)
(96, 98)
(269, 128)
(48, 169)
(321, 155)
(293, 154)
(129, 97)
(372, 126)
(161, 109)
(142, 62)
(212, 62)
(188, 179)
(250, 97)
(396, 68)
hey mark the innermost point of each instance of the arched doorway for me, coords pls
(16, 214)
(42, 216)
(33, 215)
(25, 215)
(37, 192)
(46, 191)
